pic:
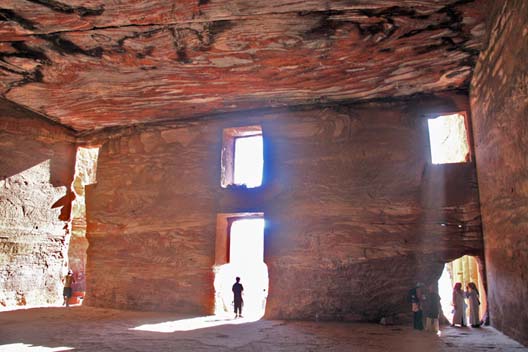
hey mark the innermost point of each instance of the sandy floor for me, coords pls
(90, 329)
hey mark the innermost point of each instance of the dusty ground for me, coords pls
(90, 329)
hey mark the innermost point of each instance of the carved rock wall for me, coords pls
(111, 63)
(36, 171)
(354, 211)
(499, 101)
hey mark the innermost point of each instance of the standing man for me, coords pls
(237, 292)
(415, 296)
(67, 292)
(431, 309)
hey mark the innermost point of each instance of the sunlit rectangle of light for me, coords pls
(249, 161)
(448, 139)
(191, 324)
(247, 241)
(23, 347)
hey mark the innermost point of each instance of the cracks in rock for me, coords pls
(7, 15)
(325, 27)
(63, 8)
(28, 77)
(181, 50)
(65, 46)
(24, 51)
(61, 45)
(387, 27)
(454, 23)
(206, 38)
(213, 29)
(119, 47)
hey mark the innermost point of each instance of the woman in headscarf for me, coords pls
(474, 303)
(459, 306)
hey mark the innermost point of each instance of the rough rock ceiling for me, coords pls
(99, 63)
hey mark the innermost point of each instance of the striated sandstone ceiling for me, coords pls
(91, 64)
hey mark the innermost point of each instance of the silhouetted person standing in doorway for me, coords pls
(237, 292)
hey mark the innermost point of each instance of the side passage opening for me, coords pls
(469, 306)
(85, 174)
(240, 253)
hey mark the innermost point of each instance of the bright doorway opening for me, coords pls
(240, 253)
(465, 269)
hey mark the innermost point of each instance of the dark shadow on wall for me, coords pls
(28, 139)
(37, 161)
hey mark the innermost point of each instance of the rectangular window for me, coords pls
(448, 138)
(242, 157)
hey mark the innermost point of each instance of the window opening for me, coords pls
(448, 139)
(242, 157)
(248, 161)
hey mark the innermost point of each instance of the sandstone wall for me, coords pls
(354, 211)
(36, 171)
(499, 101)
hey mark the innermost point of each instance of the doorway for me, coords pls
(240, 253)
(465, 269)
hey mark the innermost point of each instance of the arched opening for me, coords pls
(465, 269)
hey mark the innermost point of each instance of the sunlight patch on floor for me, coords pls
(195, 323)
(22, 347)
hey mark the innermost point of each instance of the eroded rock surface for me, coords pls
(109, 63)
(499, 100)
(355, 212)
(36, 171)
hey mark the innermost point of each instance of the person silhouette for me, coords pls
(459, 306)
(67, 291)
(472, 295)
(237, 297)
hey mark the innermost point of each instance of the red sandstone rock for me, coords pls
(106, 64)
(499, 101)
(353, 208)
(36, 171)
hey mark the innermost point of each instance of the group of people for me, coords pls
(459, 305)
(425, 302)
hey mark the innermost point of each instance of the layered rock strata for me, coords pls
(499, 101)
(36, 171)
(355, 211)
(113, 63)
